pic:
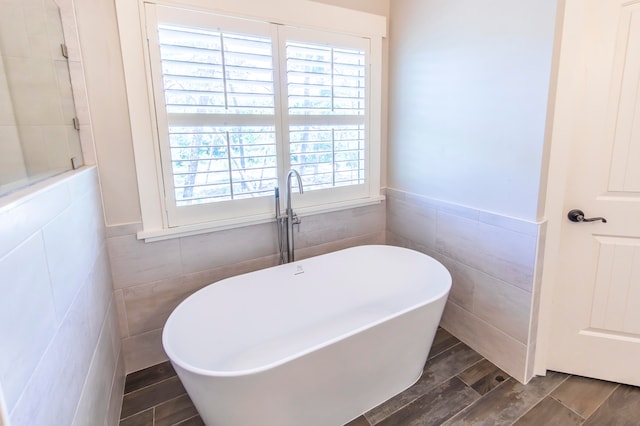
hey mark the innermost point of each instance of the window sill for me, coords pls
(203, 228)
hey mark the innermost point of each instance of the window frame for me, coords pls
(307, 15)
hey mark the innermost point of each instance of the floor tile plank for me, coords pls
(360, 421)
(150, 396)
(193, 421)
(435, 406)
(174, 411)
(441, 342)
(144, 418)
(483, 376)
(622, 408)
(437, 370)
(508, 401)
(148, 376)
(549, 412)
(458, 387)
(583, 395)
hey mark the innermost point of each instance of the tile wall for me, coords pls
(150, 279)
(492, 260)
(59, 332)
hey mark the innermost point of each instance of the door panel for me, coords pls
(615, 299)
(625, 165)
(596, 310)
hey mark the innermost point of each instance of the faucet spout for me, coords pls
(292, 219)
(300, 189)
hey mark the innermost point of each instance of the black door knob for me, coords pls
(577, 215)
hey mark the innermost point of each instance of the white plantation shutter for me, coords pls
(239, 103)
(211, 78)
(326, 84)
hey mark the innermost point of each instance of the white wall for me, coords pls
(469, 85)
(60, 356)
(470, 82)
(377, 7)
(102, 58)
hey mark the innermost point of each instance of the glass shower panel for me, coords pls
(38, 126)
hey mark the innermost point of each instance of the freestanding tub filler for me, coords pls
(314, 342)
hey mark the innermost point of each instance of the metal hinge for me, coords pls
(65, 52)
(76, 123)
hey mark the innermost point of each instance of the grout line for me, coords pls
(477, 401)
(548, 394)
(475, 363)
(168, 400)
(567, 407)
(528, 410)
(435, 386)
(152, 384)
(153, 406)
(430, 357)
(134, 414)
(604, 400)
(185, 420)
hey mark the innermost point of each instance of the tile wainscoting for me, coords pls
(60, 356)
(151, 279)
(492, 259)
(493, 262)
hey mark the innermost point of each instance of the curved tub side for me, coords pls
(350, 376)
(373, 283)
(372, 339)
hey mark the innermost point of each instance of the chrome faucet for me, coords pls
(292, 218)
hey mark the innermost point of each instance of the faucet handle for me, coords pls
(296, 221)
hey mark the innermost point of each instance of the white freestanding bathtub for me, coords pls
(315, 342)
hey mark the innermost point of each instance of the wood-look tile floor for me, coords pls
(458, 387)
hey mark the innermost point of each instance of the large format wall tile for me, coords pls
(94, 400)
(463, 285)
(492, 260)
(148, 305)
(56, 290)
(374, 238)
(27, 315)
(152, 278)
(328, 227)
(504, 306)
(500, 252)
(22, 217)
(143, 350)
(63, 367)
(135, 262)
(72, 241)
(209, 251)
(117, 390)
(501, 349)
(414, 221)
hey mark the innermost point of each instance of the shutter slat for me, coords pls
(219, 97)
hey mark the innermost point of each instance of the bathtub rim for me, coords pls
(299, 354)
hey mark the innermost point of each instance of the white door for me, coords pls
(595, 324)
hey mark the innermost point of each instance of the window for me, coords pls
(236, 103)
(326, 84)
